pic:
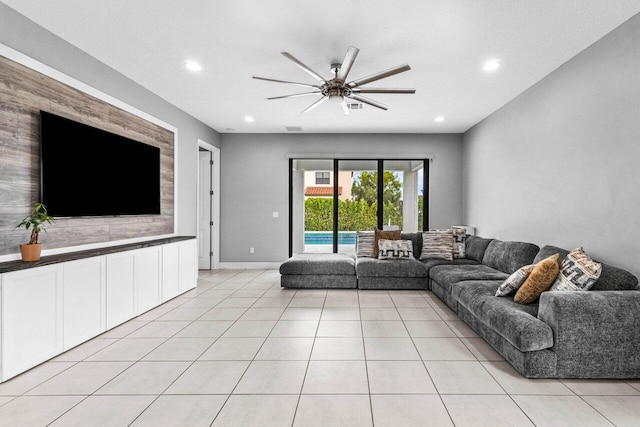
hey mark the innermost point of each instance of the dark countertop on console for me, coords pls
(16, 265)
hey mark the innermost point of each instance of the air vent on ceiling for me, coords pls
(355, 105)
(294, 128)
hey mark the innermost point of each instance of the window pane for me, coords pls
(402, 195)
(357, 205)
(312, 206)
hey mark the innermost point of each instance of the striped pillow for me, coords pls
(437, 244)
(364, 244)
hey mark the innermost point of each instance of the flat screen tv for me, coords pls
(87, 171)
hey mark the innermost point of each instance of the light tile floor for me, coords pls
(241, 351)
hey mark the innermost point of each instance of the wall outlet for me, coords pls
(276, 214)
(251, 250)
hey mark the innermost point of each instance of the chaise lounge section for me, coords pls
(562, 334)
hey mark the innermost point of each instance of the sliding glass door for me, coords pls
(358, 211)
(331, 199)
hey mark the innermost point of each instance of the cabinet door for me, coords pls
(31, 318)
(188, 265)
(147, 277)
(84, 292)
(120, 288)
(170, 271)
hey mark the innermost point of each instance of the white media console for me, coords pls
(60, 302)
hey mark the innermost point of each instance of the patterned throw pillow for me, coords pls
(540, 280)
(395, 249)
(459, 241)
(387, 235)
(578, 272)
(437, 244)
(364, 244)
(513, 282)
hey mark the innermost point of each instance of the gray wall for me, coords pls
(255, 183)
(25, 36)
(559, 164)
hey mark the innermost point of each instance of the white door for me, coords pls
(205, 199)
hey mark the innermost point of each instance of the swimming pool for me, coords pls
(326, 238)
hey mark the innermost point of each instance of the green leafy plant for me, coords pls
(36, 220)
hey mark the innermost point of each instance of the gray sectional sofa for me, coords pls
(579, 334)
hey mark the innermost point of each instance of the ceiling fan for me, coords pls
(338, 89)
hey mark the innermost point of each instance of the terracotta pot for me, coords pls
(31, 252)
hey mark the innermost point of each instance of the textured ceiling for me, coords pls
(444, 42)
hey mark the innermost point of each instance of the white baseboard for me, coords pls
(249, 265)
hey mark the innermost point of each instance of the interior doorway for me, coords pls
(208, 206)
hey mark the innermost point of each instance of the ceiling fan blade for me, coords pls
(345, 108)
(315, 104)
(284, 81)
(370, 102)
(347, 62)
(295, 95)
(380, 75)
(380, 90)
(304, 67)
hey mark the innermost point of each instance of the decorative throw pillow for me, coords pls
(578, 272)
(513, 282)
(364, 244)
(539, 280)
(395, 249)
(437, 244)
(459, 241)
(386, 235)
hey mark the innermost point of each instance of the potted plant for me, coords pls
(36, 220)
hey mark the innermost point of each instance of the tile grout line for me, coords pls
(155, 348)
(304, 378)
(423, 361)
(250, 362)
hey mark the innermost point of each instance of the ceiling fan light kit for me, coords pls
(337, 89)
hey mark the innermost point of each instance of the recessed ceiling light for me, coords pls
(439, 119)
(192, 65)
(491, 65)
(249, 119)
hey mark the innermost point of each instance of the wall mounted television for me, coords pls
(88, 172)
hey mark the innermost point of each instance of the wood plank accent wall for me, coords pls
(23, 93)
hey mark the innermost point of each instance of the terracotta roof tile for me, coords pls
(321, 191)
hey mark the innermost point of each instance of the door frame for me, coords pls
(426, 162)
(215, 214)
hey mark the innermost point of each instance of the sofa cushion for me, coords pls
(433, 262)
(614, 279)
(446, 275)
(416, 241)
(516, 323)
(541, 278)
(329, 264)
(475, 247)
(578, 272)
(548, 250)
(611, 278)
(372, 267)
(437, 244)
(509, 256)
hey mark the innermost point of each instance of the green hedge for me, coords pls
(352, 215)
